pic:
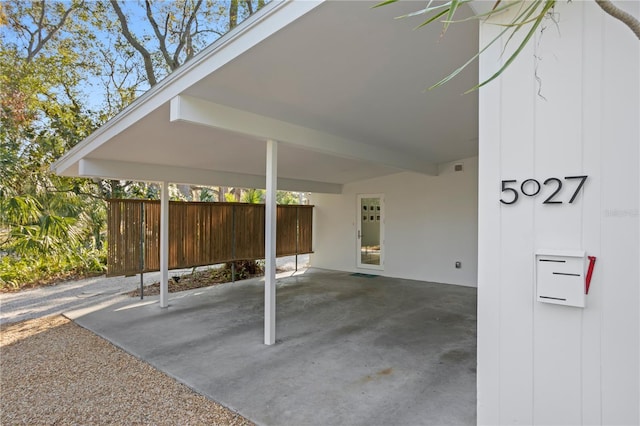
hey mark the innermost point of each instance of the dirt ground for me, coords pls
(205, 278)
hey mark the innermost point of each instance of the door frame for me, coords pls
(358, 235)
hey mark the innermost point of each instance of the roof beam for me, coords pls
(189, 109)
(142, 172)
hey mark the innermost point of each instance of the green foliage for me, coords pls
(207, 195)
(20, 272)
(229, 197)
(253, 196)
(65, 68)
(48, 236)
(49, 225)
(287, 197)
(256, 196)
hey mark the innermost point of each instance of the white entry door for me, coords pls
(370, 237)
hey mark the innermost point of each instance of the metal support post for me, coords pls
(270, 244)
(142, 237)
(164, 245)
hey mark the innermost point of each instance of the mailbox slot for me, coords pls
(559, 277)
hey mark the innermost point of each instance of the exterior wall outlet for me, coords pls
(458, 264)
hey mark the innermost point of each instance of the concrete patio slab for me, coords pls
(351, 350)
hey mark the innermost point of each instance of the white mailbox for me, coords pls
(560, 277)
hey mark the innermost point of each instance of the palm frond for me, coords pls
(530, 16)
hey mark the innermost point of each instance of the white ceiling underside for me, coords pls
(342, 87)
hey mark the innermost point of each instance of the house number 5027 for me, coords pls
(530, 188)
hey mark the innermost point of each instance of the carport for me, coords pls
(353, 350)
(303, 96)
(337, 89)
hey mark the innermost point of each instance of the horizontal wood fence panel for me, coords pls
(199, 234)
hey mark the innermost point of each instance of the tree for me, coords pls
(41, 117)
(65, 68)
(176, 31)
(173, 33)
(529, 17)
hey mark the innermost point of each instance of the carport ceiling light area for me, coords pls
(339, 84)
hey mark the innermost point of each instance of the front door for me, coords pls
(370, 231)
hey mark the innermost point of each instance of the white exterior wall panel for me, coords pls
(430, 223)
(551, 364)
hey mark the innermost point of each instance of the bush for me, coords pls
(32, 270)
(244, 269)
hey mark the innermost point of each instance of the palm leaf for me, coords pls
(452, 11)
(461, 68)
(522, 45)
(532, 14)
(427, 10)
(384, 3)
(485, 14)
(433, 18)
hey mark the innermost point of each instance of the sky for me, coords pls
(93, 88)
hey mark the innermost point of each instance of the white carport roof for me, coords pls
(339, 85)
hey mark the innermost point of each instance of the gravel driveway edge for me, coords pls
(53, 371)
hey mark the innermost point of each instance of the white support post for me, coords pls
(164, 244)
(270, 245)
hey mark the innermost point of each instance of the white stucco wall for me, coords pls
(541, 363)
(430, 223)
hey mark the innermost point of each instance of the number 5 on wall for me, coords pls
(505, 189)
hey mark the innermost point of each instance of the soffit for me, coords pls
(342, 68)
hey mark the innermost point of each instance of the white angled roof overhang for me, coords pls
(339, 84)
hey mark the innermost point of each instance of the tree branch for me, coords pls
(181, 34)
(185, 37)
(40, 21)
(161, 37)
(233, 14)
(146, 56)
(626, 18)
(33, 51)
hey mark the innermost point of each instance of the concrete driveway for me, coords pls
(350, 351)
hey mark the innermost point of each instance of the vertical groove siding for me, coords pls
(199, 234)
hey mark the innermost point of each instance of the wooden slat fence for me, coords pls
(199, 234)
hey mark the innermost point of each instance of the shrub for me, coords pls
(244, 269)
(17, 272)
